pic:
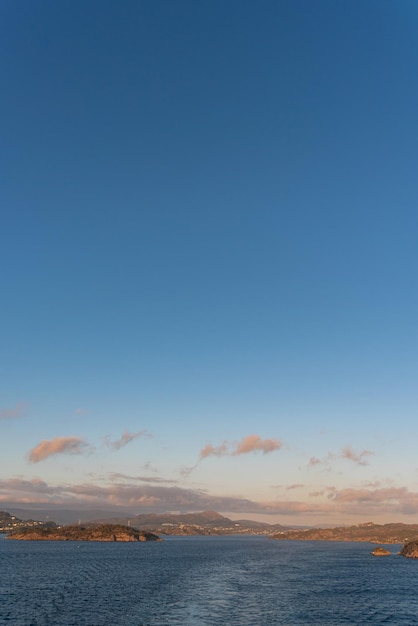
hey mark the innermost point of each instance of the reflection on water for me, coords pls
(242, 581)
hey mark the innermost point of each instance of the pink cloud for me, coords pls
(251, 443)
(210, 450)
(116, 476)
(390, 494)
(58, 445)
(254, 443)
(347, 453)
(359, 458)
(126, 438)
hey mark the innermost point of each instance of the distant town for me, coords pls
(10, 522)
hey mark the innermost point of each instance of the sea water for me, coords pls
(196, 581)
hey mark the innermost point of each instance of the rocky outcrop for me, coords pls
(410, 550)
(104, 532)
(379, 551)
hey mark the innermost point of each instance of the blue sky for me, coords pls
(209, 238)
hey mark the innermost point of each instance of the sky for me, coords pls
(209, 253)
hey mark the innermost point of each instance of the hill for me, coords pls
(10, 522)
(373, 533)
(102, 532)
(202, 523)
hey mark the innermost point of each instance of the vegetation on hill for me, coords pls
(103, 532)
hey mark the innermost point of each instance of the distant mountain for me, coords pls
(203, 523)
(373, 533)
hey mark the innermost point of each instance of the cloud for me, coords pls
(254, 443)
(210, 450)
(251, 443)
(81, 411)
(358, 458)
(76, 445)
(314, 461)
(15, 412)
(145, 498)
(19, 485)
(115, 476)
(58, 445)
(347, 453)
(389, 494)
(295, 486)
(126, 438)
(153, 498)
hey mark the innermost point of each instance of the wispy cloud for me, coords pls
(116, 477)
(210, 450)
(347, 453)
(13, 413)
(126, 438)
(360, 458)
(251, 443)
(314, 461)
(58, 445)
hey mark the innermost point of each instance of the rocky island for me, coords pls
(410, 550)
(380, 551)
(103, 532)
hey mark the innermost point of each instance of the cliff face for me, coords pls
(105, 532)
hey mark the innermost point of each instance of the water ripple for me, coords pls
(204, 581)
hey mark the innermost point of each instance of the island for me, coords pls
(410, 550)
(380, 551)
(103, 532)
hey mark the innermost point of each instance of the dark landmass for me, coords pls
(379, 551)
(102, 532)
(410, 550)
(10, 522)
(203, 523)
(373, 533)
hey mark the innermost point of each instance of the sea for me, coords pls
(205, 581)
